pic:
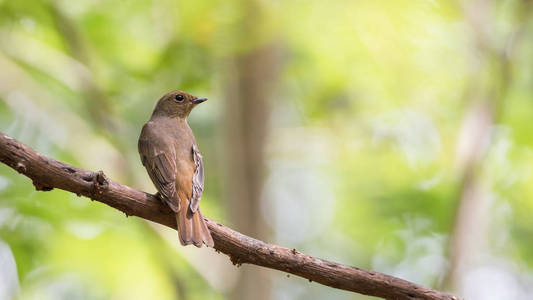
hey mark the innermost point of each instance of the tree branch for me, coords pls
(47, 174)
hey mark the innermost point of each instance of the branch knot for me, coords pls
(41, 187)
(100, 182)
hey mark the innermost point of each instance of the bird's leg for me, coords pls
(159, 196)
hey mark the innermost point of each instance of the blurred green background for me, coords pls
(389, 135)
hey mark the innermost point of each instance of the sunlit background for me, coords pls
(388, 135)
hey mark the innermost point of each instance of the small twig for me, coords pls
(47, 173)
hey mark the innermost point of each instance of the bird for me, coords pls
(170, 154)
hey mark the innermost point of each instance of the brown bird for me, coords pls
(170, 154)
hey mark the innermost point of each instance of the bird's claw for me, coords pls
(159, 196)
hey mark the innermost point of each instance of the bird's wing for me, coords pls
(161, 168)
(197, 179)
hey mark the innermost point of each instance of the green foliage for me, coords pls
(371, 96)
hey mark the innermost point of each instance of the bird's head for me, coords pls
(177, 104)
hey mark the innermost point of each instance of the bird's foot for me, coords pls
(159, 196)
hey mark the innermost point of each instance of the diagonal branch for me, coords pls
(47, 174)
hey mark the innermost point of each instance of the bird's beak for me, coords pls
(198, 100)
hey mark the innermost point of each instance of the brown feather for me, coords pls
(184, 226)
(196, 230)
(171, 156)
(206, 234)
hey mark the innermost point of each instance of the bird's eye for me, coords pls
(179, 97)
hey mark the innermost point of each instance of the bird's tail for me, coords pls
(192, 228)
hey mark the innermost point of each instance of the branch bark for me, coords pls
(47, 174)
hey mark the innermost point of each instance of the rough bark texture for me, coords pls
(47, 174)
